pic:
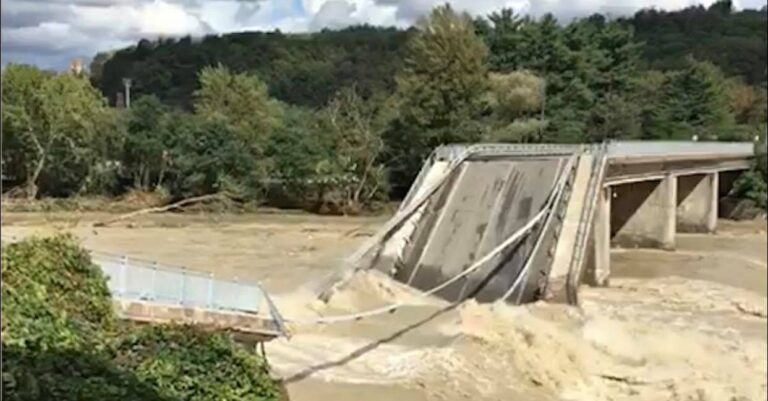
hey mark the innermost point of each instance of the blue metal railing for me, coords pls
(138, 279)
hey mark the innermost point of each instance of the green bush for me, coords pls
(57, 316)
(751, 185)
(53, 296)
(184, 363)
(61, 340)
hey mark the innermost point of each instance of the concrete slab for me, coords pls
(485, 202)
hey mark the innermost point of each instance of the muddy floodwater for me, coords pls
(684, 325)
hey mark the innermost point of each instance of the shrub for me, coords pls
(186, 363)
(751, 185)
(53, 296)
(57, 315)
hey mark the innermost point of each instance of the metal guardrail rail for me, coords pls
(678, 148)
(615, 149)
(134, 279)
(143, 280)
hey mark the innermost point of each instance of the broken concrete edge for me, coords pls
(254, 327)
(566, 257)
(593, 219)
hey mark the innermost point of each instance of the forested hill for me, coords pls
(734, 41)
(301, 69)
(342, 120)
(307, 69)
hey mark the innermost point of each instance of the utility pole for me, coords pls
(127, 85)
(543, 106)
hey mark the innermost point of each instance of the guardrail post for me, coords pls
(123, 280)
(210, 292)
(153, 285)
(236, 304)
(183, 285)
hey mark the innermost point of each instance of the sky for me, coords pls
(50, 33)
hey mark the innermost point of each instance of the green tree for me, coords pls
(440, 91)
(696, 103)
(187, 363)
(22, 105)
(588, 66)
(650, 89)
(146, 154)
(240, 99)
(300, 69)
(294, 151)
(330, 160)
(516, 99)
(62, 340)
(55, 122)
(735, 41)
(748, 104)
(353, 176)
(57, 318)
(209, 156)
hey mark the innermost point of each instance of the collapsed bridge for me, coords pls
(526, 222)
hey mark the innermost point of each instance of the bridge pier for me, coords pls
(697, 198)
(598, 267)
(643, 214)
(651, 192)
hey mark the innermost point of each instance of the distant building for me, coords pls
(76, 66)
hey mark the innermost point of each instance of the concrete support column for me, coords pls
(697, 198)
(599, 262)
(643, 214)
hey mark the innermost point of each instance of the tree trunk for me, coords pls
(31, 185)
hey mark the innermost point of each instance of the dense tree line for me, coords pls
(300, 69)
(339, 120)
(307, 69)
(736, 42)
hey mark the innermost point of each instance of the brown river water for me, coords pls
(682, 325)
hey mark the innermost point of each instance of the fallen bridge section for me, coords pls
(149, 292)
(484, 221)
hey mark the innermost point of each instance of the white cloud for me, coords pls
(333, 14)
(52, 31)
(151, 19)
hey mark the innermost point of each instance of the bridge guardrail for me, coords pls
(138, 279)
(667, 148)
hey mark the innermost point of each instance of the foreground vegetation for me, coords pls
(62, 341)
(341, 121)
